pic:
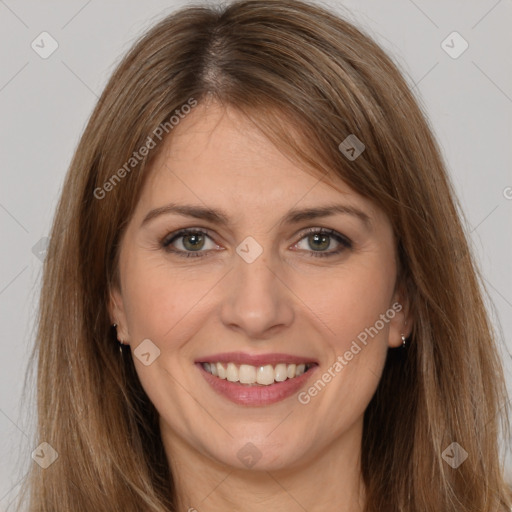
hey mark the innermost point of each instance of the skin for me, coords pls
(287, 301)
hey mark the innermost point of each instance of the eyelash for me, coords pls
(345, 242)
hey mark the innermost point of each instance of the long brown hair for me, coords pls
(282, 63)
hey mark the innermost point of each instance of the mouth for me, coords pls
(256, 380)
(249, 375)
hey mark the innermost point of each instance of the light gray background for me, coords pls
(45, 104)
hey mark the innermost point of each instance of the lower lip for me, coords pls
(242, 394)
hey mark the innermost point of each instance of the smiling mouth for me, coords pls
(249, 375)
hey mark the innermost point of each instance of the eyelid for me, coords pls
(325, 231)
(341, 239)
(170, 237)
(345, 242)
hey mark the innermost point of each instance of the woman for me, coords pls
(259, 213)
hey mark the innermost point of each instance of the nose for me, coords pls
(257, 302)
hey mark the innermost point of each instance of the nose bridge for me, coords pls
(256, 299)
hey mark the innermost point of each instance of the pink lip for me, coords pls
(255, 395)
(254, 360)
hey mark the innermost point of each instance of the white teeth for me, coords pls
(221, 371)
(247, 374)
(232, 372)
(263, 375)
(281, 374)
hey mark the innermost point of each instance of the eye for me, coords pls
(189, 242)
(192, 242)
(320, 239)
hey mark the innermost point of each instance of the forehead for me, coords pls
(217, 156)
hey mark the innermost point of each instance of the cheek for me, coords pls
(356, 343)
(150, 304)
(161, 301)
(162, 305)
(350, 300)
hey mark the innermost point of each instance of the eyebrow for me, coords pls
(292, 217)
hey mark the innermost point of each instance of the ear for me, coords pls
(117, 314)
(402, 321)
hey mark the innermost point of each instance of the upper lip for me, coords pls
(255, 359)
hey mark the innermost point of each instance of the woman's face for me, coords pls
(256, 295)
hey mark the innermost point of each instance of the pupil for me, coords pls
(318, 236)
(197, 239)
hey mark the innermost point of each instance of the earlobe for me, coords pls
(117, 315)
(401, 324)
(406, 320)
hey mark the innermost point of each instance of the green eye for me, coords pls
(320, 239)
(193, 242)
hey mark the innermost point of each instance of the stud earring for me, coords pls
(403, 341)
(121, 343)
